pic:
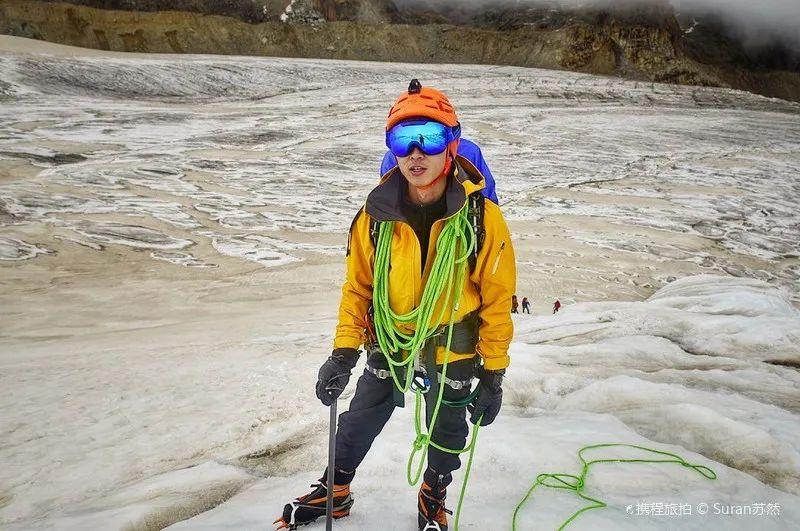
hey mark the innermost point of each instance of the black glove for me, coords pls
(489, 399)
(335, 373)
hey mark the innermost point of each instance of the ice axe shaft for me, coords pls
(331, 465)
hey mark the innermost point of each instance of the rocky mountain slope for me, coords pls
(645, 42)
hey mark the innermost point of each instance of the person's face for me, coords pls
(420, 169)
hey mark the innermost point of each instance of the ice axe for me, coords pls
(331, 463)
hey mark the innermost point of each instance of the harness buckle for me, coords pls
(381, 374)
(456, 385)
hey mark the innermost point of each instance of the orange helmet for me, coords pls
(426, 102)
(422, 102)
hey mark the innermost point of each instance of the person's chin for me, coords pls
(420, 180)
(426, 178)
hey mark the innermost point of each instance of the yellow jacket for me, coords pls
(488, 289)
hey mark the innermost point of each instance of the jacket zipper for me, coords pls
(497, 260)
(416, 268)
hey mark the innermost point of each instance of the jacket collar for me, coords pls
(383, 203)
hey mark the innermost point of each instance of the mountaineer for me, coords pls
(430, 275)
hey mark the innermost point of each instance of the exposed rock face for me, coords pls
(644, 42)
(245, 10)
(257, 10)
(303, 12)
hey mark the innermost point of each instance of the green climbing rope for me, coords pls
(562, 481)
(441, 281)
(445, 284)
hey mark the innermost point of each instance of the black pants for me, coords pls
(373, 404)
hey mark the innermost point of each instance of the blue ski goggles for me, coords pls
(429, 136)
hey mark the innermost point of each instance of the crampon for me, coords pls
(305, 509)
(432, 512)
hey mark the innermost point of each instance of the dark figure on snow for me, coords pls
(526, 306)
(556, 306)
(514, 304)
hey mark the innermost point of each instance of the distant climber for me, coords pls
(556, 306)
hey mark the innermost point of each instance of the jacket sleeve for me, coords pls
(496, 277)
(357, 287)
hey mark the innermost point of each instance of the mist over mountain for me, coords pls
(765, 34)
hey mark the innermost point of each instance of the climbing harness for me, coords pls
(421, 379)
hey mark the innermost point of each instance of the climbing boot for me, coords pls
(432, 512)
(307, 508)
